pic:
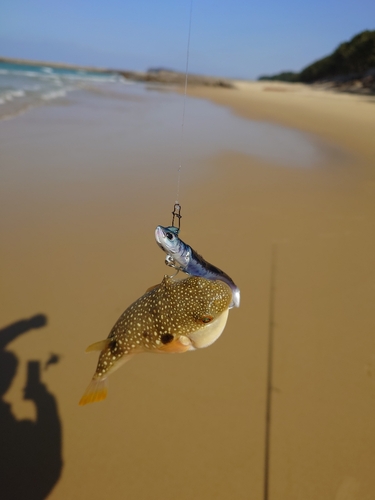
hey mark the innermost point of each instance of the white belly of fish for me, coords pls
(210, 333)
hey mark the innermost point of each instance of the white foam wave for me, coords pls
(54, 94)
(24, 89)
(10, 95)
(125, 81)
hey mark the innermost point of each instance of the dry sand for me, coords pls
(78, 247)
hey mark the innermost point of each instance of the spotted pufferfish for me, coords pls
(172, 317)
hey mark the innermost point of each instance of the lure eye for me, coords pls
(169, 236)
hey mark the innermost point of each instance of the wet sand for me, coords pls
(79, 210)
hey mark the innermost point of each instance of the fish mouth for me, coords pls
(235, 299)
(159, 233)
(209, 333)
(163, 241)
(160, 236)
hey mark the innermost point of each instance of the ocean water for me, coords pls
(146, 119)
(25, 86)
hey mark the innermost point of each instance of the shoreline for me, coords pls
(171, 77)
(160, 76)
(346, 119)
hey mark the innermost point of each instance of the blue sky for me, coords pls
(233, 38)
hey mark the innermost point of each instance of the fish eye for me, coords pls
(169, 235)
(206, 319)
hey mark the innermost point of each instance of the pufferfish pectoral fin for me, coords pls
(96, 391)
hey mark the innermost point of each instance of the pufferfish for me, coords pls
(172, 317)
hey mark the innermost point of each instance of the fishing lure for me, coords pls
(172, 317)
(183, 258)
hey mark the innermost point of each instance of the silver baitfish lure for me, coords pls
(182, 257)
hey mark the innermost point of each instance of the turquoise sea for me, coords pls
(23, 86)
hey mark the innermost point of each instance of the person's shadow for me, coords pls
(30, 452)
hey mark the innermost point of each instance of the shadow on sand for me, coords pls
(30, 452)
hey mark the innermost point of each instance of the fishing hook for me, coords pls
(175, 274)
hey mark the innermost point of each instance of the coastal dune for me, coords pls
(86, 180)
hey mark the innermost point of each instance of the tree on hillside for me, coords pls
(352, 58)
(355, 56)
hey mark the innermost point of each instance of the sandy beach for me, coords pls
(84, 183)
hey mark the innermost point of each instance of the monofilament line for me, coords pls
(184, 105)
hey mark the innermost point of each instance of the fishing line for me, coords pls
(183, 110)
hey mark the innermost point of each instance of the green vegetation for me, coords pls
(355, 57)
(285, 76)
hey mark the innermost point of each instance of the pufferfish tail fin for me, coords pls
(96, 391)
